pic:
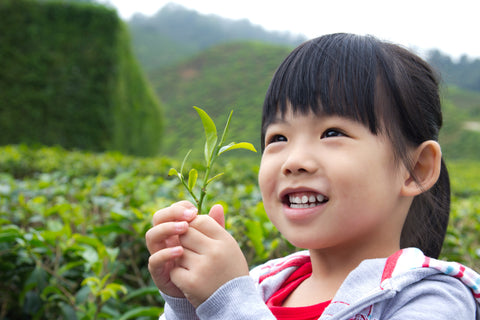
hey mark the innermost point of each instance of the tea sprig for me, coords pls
(212, 150)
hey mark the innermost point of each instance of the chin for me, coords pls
(306, 244)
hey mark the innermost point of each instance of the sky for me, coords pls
(449, 26)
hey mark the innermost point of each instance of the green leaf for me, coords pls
(255, 234)
(210, 134)
(240, 145)
(225, 130)
(142, 312)
(143, 291)
(214, 178)
(10, 233)
(192, 178)
(69, 266)
(92, 282)
(111, 291)
(173, 172)
(185, 160)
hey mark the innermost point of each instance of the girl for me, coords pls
(352, 171)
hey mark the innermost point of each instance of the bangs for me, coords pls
(334, 75)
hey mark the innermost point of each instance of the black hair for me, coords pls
(383, 86)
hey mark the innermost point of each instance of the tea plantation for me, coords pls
(72, 228)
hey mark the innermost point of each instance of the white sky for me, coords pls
(450, 26)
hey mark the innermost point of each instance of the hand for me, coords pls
(211, 257)
(164, 245)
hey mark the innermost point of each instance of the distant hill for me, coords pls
(460, 136)
(464, 73)
(175, 33)
(221, 64)
(236, 76)
(228, 76)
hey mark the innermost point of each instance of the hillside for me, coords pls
(460, 136)
(464, 73)
(236, 76)
(225, 77)
(175, 33)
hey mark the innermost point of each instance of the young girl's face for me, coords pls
(328, 182)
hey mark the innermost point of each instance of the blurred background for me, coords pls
(96, 102)
(206, 53)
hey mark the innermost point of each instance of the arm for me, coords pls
(238, 299)
(178, 308)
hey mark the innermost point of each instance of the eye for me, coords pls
(333, 133)
(276, 138)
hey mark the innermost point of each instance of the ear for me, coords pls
(426, 169)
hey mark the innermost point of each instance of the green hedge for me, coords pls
(72, 228)
(68, 77)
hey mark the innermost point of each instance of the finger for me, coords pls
(161, 235)
(195, 241)
(158, 260)
(208, 226)
(161, 262)
(217, 213)
(180, 211)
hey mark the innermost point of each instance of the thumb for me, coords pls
(216, 212)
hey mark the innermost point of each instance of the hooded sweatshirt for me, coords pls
(407, 285)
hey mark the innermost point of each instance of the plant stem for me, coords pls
(203, 191)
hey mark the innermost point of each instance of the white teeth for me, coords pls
(305, 201)
(302, 205)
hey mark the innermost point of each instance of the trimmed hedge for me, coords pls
(72, 227)
(69, 78)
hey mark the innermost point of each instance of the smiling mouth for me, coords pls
(302, 200)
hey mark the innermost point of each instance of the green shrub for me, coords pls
(69, 78)
(72, 228)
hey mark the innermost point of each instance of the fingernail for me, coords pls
(176, 250)
(189, 213)
(179, 226)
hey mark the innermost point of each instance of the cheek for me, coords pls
(265, 174)
(267, 184)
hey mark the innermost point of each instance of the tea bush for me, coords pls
(69, 77)
(72, 228)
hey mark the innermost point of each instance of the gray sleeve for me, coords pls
(177, 308)
(238, 299)
(437, 297)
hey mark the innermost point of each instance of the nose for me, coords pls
(300, 161)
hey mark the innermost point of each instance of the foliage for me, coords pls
(464, 73)
(69, 77)
(231, 76)
(72, 228)
(237, 75)
(213, 149)
(462, 243)
(176, 33)
(460, 135)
